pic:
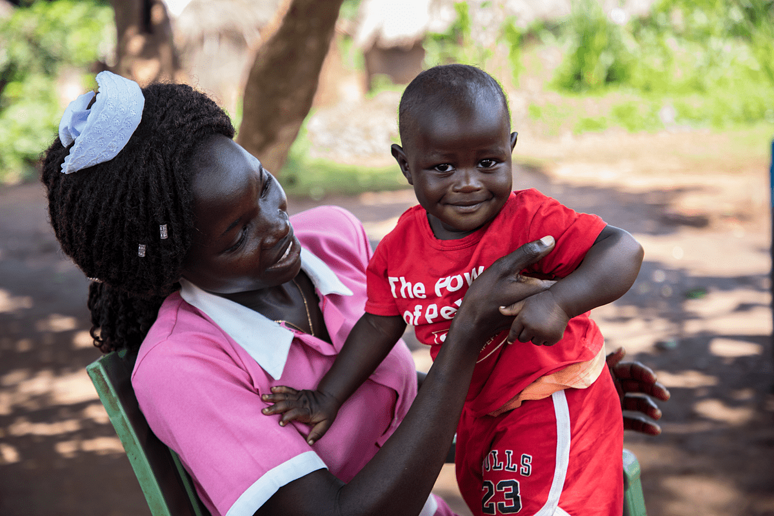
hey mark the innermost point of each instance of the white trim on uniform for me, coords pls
(431, 505)
(264, 488)
(563, 435)
(242, 324)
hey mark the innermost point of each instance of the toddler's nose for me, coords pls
(468, 181)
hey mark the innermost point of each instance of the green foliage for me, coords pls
(514, 36)
(36, 43)
(598, 53)
(456, 44)
(349, 10)
(351, 55)
(707, 63)
(713, 58)
(692, 47)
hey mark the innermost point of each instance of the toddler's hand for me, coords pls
(539, 319)
(311, 407)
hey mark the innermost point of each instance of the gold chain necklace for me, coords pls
(306, 307)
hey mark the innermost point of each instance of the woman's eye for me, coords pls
(238, 243)
(443, 167)
(487, 163)
(266, 186)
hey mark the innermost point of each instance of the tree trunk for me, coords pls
(145, 51)
(283, 80)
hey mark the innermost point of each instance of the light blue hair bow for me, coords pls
(100, 132)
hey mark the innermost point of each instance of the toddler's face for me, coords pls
(459, 162)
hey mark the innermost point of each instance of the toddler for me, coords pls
(541, 429)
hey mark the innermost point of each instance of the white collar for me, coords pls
(244, 325)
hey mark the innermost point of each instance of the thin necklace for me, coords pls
(306, 307)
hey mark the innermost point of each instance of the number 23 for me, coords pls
(510, 490)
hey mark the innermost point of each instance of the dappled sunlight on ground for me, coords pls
(699, 315)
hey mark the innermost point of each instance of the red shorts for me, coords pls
(555, 456)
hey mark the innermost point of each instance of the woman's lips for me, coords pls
(287, 252)
(285, 256)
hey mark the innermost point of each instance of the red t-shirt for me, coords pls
(423, 279)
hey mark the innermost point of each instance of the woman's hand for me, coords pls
(632, 380)
(502, 285)
(310, 407)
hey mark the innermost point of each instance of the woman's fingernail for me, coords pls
(547, 240)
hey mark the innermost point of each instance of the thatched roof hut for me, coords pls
(217, 40)
(390, 34)
(401, 23)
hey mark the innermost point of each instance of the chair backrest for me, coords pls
(168, 489)
(634, 501)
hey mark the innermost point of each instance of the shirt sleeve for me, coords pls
(211, 411)
(573, 231)
(380, 300)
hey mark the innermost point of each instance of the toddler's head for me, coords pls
(456, 147)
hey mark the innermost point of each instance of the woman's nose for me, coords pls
(274, 230)
(282, 198)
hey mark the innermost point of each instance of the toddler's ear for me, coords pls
(514, 137)
(400, 157)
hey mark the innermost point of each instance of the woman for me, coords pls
(197, 269)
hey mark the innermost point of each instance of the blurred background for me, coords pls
(657, 115)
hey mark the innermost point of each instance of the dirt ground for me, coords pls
(699, 314)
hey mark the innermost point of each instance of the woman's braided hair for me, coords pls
(102, 214)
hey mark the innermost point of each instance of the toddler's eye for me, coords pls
(443, 167)
(487, 163)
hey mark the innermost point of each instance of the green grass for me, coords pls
(730, 104)
(316, 178)
(691, 63)
(304, 176)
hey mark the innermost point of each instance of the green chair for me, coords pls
(634, 501)
(169, 490)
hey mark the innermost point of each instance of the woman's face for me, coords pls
(243, 240)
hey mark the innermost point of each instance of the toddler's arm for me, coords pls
(608, 270)
(369, 342)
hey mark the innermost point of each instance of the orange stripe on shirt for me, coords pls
(575, 376)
